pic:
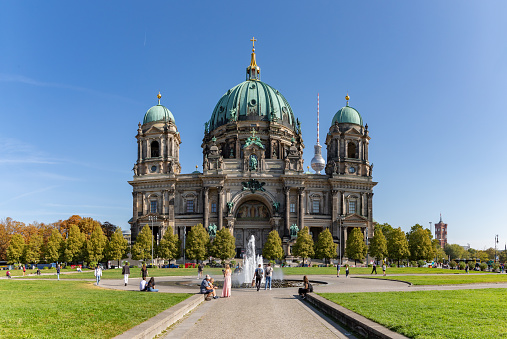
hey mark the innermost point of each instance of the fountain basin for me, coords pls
(275, 283)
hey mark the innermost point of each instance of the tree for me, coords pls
(272, 249)
(142, 247)
(54, 246)
(15, 249)
(419, 243)
(356, 248)
(74, 245)
(378, 245)
(304, 245)
(33, 249)
(397, 247)
(87, 225)
(95, 245)
(387, 230)
(197, 242)
(325, 248)
(170, 245)
(116, 246)
(455, 251)
(224, 245)
(109, 229)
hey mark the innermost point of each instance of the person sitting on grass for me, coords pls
(151, 285)
(142, 285)
(207, 289)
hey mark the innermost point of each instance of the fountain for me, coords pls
(250, 263)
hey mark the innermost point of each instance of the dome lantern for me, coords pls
(253, 72)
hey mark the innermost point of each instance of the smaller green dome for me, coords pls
(158, 113)
(348, 115)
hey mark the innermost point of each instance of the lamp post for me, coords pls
(152, 218)
(496, 242)
(367, 250)
(340, 244)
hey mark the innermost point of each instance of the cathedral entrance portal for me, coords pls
(252, 218)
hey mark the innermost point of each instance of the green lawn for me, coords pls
(74, 309)
(134, 273)
(433, 314)
(367, 270)
(449, 279)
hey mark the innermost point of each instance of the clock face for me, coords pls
(352, 170)
(153, 168)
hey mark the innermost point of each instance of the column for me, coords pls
(140, 150)
(360, 151)
(334, 211)
(287, 211)
(370, 198)
(220, 209)
(205, 207)
(301, 208)
(342, 203)
(134, 206)
(162, 210)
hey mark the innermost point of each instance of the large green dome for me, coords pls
(158, 113)
(348, 115)
(252, 100)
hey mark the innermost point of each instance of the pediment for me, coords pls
(154, 130)
(353, 131)
(355, 218)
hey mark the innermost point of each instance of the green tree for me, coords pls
(95, 245)
(419, 243)
(15, 249)
(197, 243)
(397, 247)
(142, 247)
(224, 245)
(378, 245)
(74, 245)
(325, 248)
(170, 246)
(356, 247)
(304, 245)
(272, 249)
(387, 230)
(116, 246)
(33, 249)
(455, 251)
(54, 246)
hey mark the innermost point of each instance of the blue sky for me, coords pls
(428, 77)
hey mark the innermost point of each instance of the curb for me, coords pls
(352, 320)
(154, 326)
(402, 281)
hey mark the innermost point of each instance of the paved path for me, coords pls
(278, 313)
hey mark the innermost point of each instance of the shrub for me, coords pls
(462, 265)
(471, 265)
(370, 265)
(232, 263)
(392, 265)
(45, 268)
(420, 263)
(452, 264)
(483, 266)
(296, 261)
(315, 265)
(272, 262)
(496, 267)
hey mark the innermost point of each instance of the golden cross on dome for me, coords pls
(253, 132)
(253, 40)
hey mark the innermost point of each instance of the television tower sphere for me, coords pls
(318, 163)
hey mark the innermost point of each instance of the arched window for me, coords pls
(155, 149)
(351, 150)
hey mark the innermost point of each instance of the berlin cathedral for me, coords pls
(253, 179)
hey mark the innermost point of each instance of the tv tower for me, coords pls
(318, 163)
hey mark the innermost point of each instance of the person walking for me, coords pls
(98, 273)
(126, 272)
(466, 268)
(199, 271)
(226, 291)
(144, 271)
(269, 273)
(374, 268)
(259, 272)
(384, 268)
(24, 270)
(338, 270)
(58, 272)
(346, 271)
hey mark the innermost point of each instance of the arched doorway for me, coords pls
(252, 217)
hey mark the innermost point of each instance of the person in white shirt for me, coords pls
(142, 285)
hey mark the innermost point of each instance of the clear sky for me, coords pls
(429, 78)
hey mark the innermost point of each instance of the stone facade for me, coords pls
(253, 180)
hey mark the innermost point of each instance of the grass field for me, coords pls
(433, 314)
(74, 309)
(450, 279)
(367, 270)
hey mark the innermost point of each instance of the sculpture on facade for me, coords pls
(276, 206)
(212, 230)
(253, 185)
(294, 229)
(253, 162)
(230, 205)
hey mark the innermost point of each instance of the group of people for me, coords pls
(374, 269)
(260, 273)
